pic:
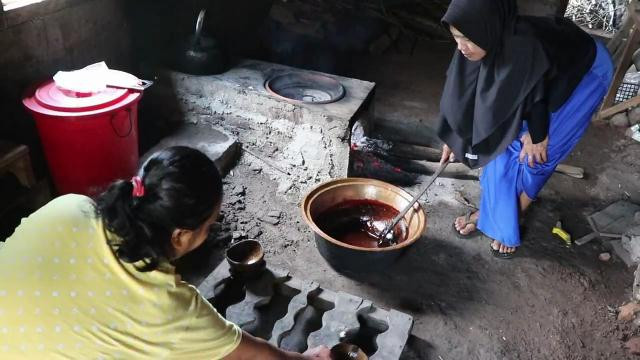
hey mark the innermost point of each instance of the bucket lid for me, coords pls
(52, 97)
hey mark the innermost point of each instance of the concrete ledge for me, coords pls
(217, 144)
(241, 91)
(308, 142)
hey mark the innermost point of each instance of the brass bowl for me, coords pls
(245, 257)
(347, 257)
(344, 351)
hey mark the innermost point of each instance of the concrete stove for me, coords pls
(297, 144)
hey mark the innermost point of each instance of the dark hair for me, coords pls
(182, 188)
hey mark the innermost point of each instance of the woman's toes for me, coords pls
(463, 227)
(501, 248)
(467, 229)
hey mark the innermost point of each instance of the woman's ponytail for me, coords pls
(179, 188)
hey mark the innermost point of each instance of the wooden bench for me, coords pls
(15, 159)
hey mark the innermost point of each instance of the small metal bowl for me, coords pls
(246, 258)
(345, 351)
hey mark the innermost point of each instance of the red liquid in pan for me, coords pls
(358, 222)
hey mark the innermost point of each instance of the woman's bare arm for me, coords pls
(251, 348)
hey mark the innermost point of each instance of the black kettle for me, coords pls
(202, 55)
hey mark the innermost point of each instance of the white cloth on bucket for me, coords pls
(95, 78)
(90, 79)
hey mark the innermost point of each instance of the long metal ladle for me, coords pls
(385, 238)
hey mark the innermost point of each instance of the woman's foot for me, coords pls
(502, 251)
(466, 225)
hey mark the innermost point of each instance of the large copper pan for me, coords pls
(345, 257)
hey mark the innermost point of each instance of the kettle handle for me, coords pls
(199, 25)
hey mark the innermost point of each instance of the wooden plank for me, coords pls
(608, 109)
(10, 152)
(620, 36)
(622, 66)
(634, 101)
(432, 157)
(15, 159)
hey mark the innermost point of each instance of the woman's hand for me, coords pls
(447, 154)
(533, 152)
(252, 348)
(318, 353)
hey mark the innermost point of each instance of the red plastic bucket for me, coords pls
(89, 139)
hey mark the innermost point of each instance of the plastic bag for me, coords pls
(634, 132)
(632, 78)
(91, 79)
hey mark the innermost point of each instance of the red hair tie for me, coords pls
(138, 187)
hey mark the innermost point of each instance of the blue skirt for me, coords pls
(505, 178)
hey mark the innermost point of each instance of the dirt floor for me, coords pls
(550, 302)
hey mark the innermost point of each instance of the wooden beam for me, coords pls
(412, 158)
(415, 152)
(622, 66)
(634, 101)
(620, 35)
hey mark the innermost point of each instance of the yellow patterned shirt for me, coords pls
(65, 295)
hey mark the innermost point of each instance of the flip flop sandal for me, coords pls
(467, 221)
(502, 256)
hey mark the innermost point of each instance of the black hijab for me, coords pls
(483, 101)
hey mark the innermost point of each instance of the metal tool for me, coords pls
(562, 234)
(386, 236)
(142, 85)
(596, 233)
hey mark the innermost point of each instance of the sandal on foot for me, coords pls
(501, 255)
(467, 221)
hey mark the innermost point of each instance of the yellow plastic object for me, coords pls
(565, 236)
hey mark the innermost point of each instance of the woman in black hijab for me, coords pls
(520, 93)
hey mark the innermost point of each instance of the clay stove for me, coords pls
(298, 144)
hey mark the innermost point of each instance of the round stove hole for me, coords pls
(305, 88)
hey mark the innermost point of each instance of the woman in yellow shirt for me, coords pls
(94, 280)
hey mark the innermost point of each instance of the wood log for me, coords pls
(454, 170)
(425, 160)
(415, 152)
